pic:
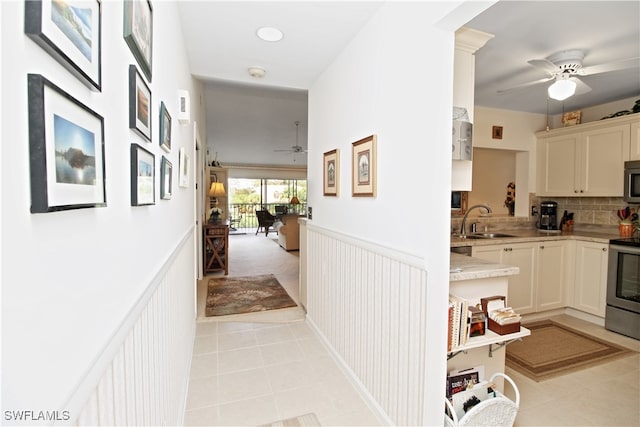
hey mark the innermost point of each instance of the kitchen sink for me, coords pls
(488, 235)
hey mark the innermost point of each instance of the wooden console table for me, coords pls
(216, 248)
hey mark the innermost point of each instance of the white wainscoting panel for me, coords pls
(369, 305)
(142, 377)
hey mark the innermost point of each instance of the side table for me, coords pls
(216, 248)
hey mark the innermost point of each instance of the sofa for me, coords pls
(288, 232)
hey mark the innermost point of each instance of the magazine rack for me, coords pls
(495, 411)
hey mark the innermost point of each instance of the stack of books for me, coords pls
(458, 332)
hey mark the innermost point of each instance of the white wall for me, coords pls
(70, 279)
(394, 80)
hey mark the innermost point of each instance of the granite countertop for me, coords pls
(534, 235)
(464, 267)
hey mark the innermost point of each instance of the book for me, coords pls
(460, 382)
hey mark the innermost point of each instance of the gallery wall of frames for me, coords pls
(98, 207)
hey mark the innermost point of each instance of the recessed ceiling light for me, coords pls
(269, 34)
(257, 72)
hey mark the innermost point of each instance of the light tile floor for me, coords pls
(258, 373)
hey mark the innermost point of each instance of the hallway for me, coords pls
(271, 368)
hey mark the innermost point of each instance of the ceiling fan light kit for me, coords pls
(562, 89)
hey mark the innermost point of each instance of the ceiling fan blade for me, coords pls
(545, 64)
(581, 87)
(524, 85)
(610, 66)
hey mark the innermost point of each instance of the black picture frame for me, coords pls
(166, 179)
(72, 35)
(138, 32)
(165, 128)
(66, 150)
(143, 176)
(139, 104)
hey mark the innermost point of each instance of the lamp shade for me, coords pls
(294, 201)
(217, 190)
(562, 89)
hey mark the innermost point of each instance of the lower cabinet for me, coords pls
(545, 269)
(521, 295)
(590, 287)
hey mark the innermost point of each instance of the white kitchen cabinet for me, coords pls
(591, 277)
(635, 141)
(521, 287)
(583, 162)
(555, 265)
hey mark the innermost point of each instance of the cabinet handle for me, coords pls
(582, 191)
(541, 247)
(575, 191)
(604, 249)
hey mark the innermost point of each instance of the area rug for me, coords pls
(553, 349)
(308, 420)
(235, 295)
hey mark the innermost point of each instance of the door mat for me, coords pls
(553, 349)
(308, 420)
(235, 295)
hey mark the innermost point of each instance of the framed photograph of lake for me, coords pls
(138, 32)
(363, 180)
(70, 31)
(166, 177)
(143, 176)
(139, 104)
(66, 148)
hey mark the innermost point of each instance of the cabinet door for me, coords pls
(491, 253)
(557, 169)
(634, 152)
(602, 156)
(553, 273)
(521, 287)
(591, 277)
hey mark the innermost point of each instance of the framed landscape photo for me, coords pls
(66, 148)
(139, 104)
(183, 164)
(331, 172)
(363, 181)
(70, 31)
(166, 173)
(165, 128)
(138, 32)
(143, 176)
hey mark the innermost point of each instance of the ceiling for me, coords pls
(222, 44)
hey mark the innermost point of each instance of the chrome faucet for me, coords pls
(463, 231)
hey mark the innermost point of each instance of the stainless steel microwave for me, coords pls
(632, 181)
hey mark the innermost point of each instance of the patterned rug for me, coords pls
(235, 295)
(553, 349)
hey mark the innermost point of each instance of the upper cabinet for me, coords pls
(585, 160)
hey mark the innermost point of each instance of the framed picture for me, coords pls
(66, 148)
(363, 181)
(331, 170)
(143, 176)
(496, 132)
(138, 32)
(71, 33)
(183, 164)
(166, 173)
(571, 118)
(139, 104)
(165, 128)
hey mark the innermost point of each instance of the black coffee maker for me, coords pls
(548, 215)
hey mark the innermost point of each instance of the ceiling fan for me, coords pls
(565, 67)
(294, 148)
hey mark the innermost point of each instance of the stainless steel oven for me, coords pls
(623, 287)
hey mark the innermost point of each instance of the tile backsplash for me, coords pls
(592, 213)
